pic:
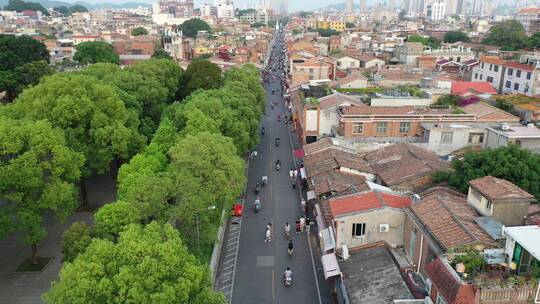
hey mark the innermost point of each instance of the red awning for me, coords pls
(299, 153)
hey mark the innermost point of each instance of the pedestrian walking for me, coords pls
(297, 225)
(302, 223)
(308, 224)
(268, 236)
(291, 173)
(295, 173)
(303, 205)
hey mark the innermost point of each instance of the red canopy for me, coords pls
(299, 153)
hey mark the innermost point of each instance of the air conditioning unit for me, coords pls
(384, 227)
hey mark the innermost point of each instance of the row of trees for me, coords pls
(68, 11)
(511, 36)
(517, 165)
(19, 5)
(189, 166)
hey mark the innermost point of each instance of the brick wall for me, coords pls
(392, 130)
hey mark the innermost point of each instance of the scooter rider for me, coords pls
(290, 247)
(287, 230)
(288, 276)
(278, 164)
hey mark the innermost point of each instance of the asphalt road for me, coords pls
(260, 265)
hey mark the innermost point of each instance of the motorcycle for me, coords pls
(257, 206)
(264, 181)
(262, 131)
(277, 142)
(257, 188)
(287, 279)
(278, 166)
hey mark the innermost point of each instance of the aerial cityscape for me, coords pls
(270, 151)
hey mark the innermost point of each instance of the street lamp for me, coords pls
(197, 216)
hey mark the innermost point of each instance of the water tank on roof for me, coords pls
(505, 127)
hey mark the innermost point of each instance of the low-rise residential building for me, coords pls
(444, 139)
(353, 81)
(527, 137)
(489, 69)
(529, 18)
(523, 248)
(347, 62)
(367, 217)
(499, 199)
(404, 167)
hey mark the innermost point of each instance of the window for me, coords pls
(480, 76)
(311, 70)
(516, 86)
(476, 138)
(510, 72)
(508, 84)
(482, 65)
(529, 75)
(475, 75)
(446, 137)
(490, 67)
(404, 127)
(381, 127)
(488, 205)
(496, 68)
(358, 128)
(359, 229)
(518, 73)
(490, 79)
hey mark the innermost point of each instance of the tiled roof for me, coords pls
(492, 60)
(332, 182)
(337, 99)
(499, 189)
(351, 78)
(367, 200)
(519, 66)
(480, 87)
(401, 162)
(334, 158)
(529, 10)
(446, 214)
(320, 144)
(487, 113)
(354, 110)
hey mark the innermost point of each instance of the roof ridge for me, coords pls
(457, 219)
(381, 199)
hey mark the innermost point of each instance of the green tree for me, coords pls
(201, 74)
(161, 54)
(167, 72)
(448, 100)
(64, 10)
(418, 38)
(113, 218)
(517, 165)
(17, 68)
(327, 32)
(75, 240)
(19, 5)
(349, 25)
(455, 36)
(146, 265)
(190, 27)
(207, 172)
(95, 51)
(37, 176)
(534, 41)
(77, 8)
(246, 12)
(509, 35)
(257, 25)
(90, 113)
(138, 31)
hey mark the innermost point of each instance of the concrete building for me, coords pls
(436, 10)
(225, 9)
(499, 199)
(347, 62)
(368, 217)
(527, 137)
(363, 7)
(349, 6)
(529, 18)
(444, 139)
(490, 69)
(208, 10)
(409, 52)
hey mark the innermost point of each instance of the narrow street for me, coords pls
(260, 265)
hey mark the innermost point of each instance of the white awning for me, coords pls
(330, 265)
(327, 236)
(311, 195)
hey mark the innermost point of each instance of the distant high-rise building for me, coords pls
(477, 7)
(363, 7)
(177, 8)
(451, 6)
(435, 10)
(225, 9)
(349, 6)
(281, 7)
(208, 10)
(392, 5)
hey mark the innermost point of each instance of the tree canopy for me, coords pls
(23, 61)
(201, 74)
(19, 5)
(138, 31)
(517, 165)
(509, 35)
(192, 26)
(161, 54)
(67, 11)
(90, 113)
(37, 175)
(146, 265)
(327, 32)
(95, 51)
(455, 36)
(427, 41)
